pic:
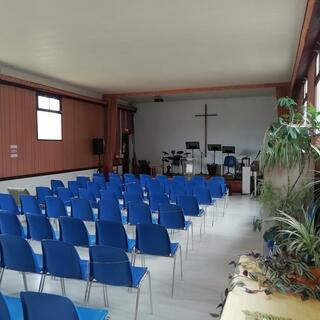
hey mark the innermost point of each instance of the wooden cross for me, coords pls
(206, 115)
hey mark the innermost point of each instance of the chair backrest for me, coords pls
(4, 311)
(40, 306)
(42, 192)
(10, 224)
(139, 213)
(215, 188)
(110, 233)
(17, 254)
(107, 194)
(115, 178)
(130, 178)
(155, 199)
(134, 188)
(64, 194)
(88, 195)
(110, 265)
(61, 259)
(144, 179)
(55, 207)
(100, 181)
(39, 227)
(179, 179)
(81, 209)
(230, 161)
(129, 197)
(74, 188)
(171, 216)
(74, 231)
(199, 180)
(56, 184)
(176, 189)
(109, 209)
(162, 179)
(115, 189)
(8, 203)
(94, 188)
(189, 186)
(155, 186)
(153, 239)
(82, 181)
(202, 195)
(189, 205)
(29, 204)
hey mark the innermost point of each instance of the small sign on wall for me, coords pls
(13, 152)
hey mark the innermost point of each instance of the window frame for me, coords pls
(54, 96)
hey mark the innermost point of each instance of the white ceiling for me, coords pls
(126, 46)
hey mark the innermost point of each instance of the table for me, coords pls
(287, 306)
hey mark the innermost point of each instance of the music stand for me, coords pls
(214, 148)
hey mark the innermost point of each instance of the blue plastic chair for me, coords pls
(130, 178)
(61, 259)
(154, 240)
(40, 306)
(134, 188)
(115, 189)
(74, 231)
(144, 180)
(139, 213)
(82, 181)
(43, 192)
(215, 187)
(155, 186)
(115, 178)
(109, 209)
(110, 233)
(171, 216)
(17, 255)
(10, 225)
(56, 184)
(29, 204)
(55, 207)
(129, 197)
(94, 188)
(179, 179)
(4, 311)
(100, 181)
(8, 203)
(74, 188)
(88, 195)
(39, 227)
(155, 199)
(162, 179)
(81, 209)
(65, 195)
(111, 266)
(189, 186)
(177, 189)
(199, 180)
(190, 208)
(230, 162)
(203, 197)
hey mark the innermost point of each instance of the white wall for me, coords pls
(241, 122)
(33, 182)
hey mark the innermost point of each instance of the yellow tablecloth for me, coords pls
(288, 306)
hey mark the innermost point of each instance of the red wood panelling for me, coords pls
(82, 121)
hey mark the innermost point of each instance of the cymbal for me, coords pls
(179, 152)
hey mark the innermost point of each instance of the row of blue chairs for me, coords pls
(40, 306)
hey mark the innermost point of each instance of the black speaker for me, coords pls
(98, 146)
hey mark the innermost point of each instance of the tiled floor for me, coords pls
(205, 271)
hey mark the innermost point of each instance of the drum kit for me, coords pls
(173, 160)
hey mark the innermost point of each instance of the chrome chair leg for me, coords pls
(201, 222)
(89, 291)
(105, 295)
(150, 293)
(192, 241)
(187, 245)
(86, 292)
(1, 275)
(173, 274)
(24, 277)
(43, 281)
(181, 271)
(63, 287)
(137, 304)
(204, 222)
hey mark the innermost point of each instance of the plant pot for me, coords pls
(307, 282)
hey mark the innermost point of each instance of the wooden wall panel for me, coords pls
(82, 121)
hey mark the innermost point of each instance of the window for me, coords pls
(49, 117)
(317, 82)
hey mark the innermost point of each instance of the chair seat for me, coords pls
(187, 225)
(84, 266)
(16, 313)
(39, 262)
(131, 244)
(137, 275)
(92, 239)
(200, 214)
(174, 248)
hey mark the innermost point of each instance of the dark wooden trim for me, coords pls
(45, 173)
(201, 89)
(28, 85)
(127, 108)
